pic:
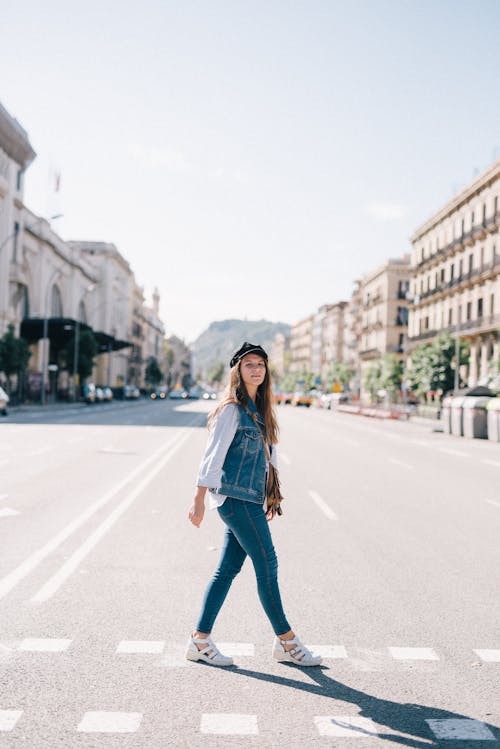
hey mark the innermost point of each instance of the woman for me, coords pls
(234, 471)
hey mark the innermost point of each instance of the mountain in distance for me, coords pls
(223, 337)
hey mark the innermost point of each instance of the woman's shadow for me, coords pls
(407, 724)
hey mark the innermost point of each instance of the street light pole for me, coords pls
(75, 357)
(457, 353)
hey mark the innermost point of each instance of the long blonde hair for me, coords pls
(236, 392)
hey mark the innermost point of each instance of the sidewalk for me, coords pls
(49, 407)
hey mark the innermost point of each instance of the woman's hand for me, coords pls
(197, 509)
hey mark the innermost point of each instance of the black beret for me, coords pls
(247, 348)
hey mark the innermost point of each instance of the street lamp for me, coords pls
(76, 346)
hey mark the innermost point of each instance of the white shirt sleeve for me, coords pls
(221, 435)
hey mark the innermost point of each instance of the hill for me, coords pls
(222, 338)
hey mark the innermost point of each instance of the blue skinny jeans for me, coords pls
(247, 534)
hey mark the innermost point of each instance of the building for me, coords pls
(177, 362)
(384, 313)
(352, 336)
(456, 274)
(280, 354)
(332, 341)
(301, 345)
(16, 154)
(53, 291)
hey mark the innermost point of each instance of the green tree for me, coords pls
(14, 355)
(153, 374)
(391, 375)
(339, 372)
(433, 365)
(373, 379)
(216, 373)
(87, 351)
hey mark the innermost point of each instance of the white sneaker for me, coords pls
(209, 653)
(299, 654)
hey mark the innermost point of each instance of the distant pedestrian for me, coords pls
(234, 471)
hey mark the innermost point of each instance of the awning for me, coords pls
(60, 330)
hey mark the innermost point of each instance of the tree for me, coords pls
(87, 351)
(340, 372)
(14, 355)
(391, 375)
(153, 374)
(373, 379)
(433, 365)
(216, 373)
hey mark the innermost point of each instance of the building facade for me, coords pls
(301, 341)
(280, 354)
(456, 275)
(384, 313)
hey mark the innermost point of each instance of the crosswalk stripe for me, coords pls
(242, 649)
(414, 654)
(489, 656)
(229, 724)
(329, 651)
(44, 645)
(460, 729)
(9, 718)
(140, 646)
(347, 726)
(100, 721)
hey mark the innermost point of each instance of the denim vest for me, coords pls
(244, 469)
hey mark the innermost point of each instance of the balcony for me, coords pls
(477, 232)
(463, 279)
(483, 324)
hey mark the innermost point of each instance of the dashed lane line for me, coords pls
(495, 463)
(489, 656)
(493, 502)
(8, 512)
(10, 581)
(44, 645)
(401, 463)
(9, 718)
(55, 582)
(452, 451)
(414, 654)
(323, 506)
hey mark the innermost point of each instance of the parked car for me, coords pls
(158, 394)
(301, 399)
(209, 395)
(177, 394)
(331, 400)
(131, 392)
(108, 394)
(4, 401)
(99, 395)
(89, 395)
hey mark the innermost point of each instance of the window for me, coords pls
(452, 272)
(14, 243)
(436, 280)
(463, 226)
(481, 258)
(82, 315)
(442, 275)
(479, 307)
(469, 311)
(471, 263)
(19, 180)
(402, 316)
(495, 206)
(426, 323)
(460, 268)
(56, 308)
(450, 317)
(484, 214)
(472, 219)
(492, 304)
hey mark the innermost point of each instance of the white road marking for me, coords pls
(55, 582)
(7, 512)
(29, 564)
(400, 463)
(326, 509)
(9, 718)
(347, 726)
(460, 729)
(229, 724)
(244, 649)
(414, 654)
(420, 443)
(489, 656)
(140, 646)
(493, 502)
(44, 645)
(109, 722)
(495, 463)
(284, 458)
(451, 451)
(329, 651)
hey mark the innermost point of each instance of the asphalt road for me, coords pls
(389, 565)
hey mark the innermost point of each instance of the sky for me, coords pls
(251, 159)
